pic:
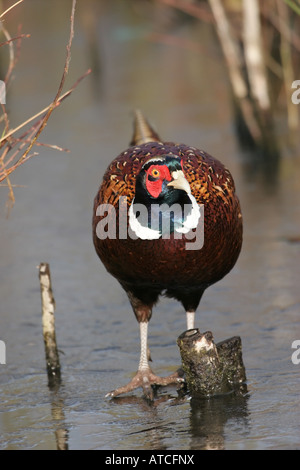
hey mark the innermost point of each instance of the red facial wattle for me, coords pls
(155, 176)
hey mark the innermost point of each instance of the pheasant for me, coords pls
(155, 197)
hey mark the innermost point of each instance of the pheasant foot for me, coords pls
(146, 379)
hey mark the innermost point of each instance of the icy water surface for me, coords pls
(184, 93)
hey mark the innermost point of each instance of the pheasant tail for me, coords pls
(142, 131)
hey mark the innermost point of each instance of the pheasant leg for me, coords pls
(144, 377)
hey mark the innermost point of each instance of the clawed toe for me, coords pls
(147, 380)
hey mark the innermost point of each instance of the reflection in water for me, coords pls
(261, 169)
(58, 416)
(207, 422)
(209, 417)
(156, 428)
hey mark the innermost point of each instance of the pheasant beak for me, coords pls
(179, 181)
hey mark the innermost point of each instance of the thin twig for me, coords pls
(21, 141)
(11, 52)
(9, 8)
(43, 111)
(11, 196)
(13, 142)
(21, 36)
(5, 118)
(50, 146)
(31, 135)
(54, 103)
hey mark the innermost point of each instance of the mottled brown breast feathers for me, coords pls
(205, 174)
(165, 263)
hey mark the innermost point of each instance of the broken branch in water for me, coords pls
(48, 321)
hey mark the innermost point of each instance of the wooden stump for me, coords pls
(211, 369)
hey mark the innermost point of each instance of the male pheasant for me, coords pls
(146, 213)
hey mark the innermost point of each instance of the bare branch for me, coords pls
(54, 103)
(8, 162)
(10, 8)
(14, 39)
(43, 111)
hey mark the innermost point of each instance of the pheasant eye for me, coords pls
(155, 173)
